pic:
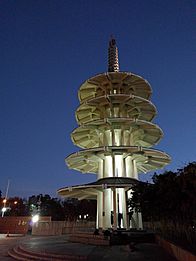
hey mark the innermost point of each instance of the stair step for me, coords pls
(20, 253)
(17, 256)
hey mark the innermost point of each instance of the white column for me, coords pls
(108, 167)
(99, 223)
(108, 138)
(119, 166)
(108, 208)
(100, 170)
(135, 173)
(125, 225)
(129, 167)
(114, 208)
(122, 207)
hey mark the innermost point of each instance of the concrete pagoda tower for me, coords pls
(116, 134)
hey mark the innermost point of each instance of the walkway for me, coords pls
(60, 245)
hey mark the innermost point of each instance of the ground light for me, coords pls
(35, 218)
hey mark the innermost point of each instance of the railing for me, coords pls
(183, 235)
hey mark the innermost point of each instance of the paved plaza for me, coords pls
(8, 242)
(61, 245)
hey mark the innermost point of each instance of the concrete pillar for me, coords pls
(108, 167)
(103, 209)
(114, 208)
(137, 220)
(129, 167)
(99, 223)
(135, 173)
(100, 170)
(122, 208)
(108, 208)
(125, 224)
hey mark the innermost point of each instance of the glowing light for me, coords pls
(3, 209)
(35, 218)
(4, 201)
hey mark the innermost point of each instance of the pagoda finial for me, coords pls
(113, 65)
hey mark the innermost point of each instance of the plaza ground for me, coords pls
(61, 245)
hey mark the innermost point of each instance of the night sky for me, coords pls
(49, 48)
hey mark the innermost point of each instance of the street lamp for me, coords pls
(3, 210)
(5, 199)
(35, 218)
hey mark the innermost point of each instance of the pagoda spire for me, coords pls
(113, 64)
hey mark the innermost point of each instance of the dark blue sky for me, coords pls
(48, 48)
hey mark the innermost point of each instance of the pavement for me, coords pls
(61, 245)
(8, 242)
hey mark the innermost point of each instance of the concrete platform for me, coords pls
(40, 248)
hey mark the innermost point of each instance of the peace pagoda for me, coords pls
(116, 135)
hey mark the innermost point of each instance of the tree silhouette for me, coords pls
(171, 196)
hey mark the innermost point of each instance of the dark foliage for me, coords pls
(75, 208)
(171, 196)
(69, 209)
(169, 205)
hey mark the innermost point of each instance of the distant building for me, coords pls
(116, 134)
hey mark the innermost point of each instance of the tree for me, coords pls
(171, 196)
(46, 206)
(75, 208)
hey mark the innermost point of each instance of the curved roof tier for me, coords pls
(90, 190)
(126, 132)
(86, 161)
(114, 82)
(118, 105)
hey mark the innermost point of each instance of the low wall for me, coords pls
(17, 225)
(62, 227)
(14, 225)
(179, 253)
(50, 228)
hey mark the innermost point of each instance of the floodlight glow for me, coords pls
(35, 218)
(3, 209)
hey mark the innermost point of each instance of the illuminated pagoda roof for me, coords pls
(90, 190)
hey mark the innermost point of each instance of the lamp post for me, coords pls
(3, 210)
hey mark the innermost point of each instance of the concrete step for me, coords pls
(21, 253)
(89, 238)
(17, 256)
